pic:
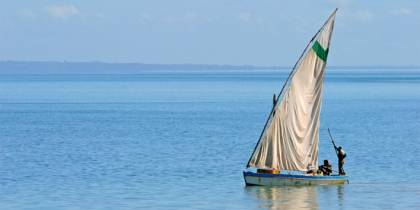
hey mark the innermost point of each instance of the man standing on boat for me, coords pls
(341, 154)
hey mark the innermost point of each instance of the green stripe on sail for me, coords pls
(320, 52)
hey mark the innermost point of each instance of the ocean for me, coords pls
(181, 139)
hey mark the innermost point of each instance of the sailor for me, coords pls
(326, 169)
(341, 154)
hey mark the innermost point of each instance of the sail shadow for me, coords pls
(284, 197)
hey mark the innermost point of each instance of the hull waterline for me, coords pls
(257, 179)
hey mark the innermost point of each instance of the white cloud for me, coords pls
(402, 12)
(63, 11)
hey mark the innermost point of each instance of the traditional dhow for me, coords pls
(287, 150)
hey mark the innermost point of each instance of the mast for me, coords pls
(287, 82)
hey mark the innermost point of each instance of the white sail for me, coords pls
(290, 139)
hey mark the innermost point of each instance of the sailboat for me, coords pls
(288, 145)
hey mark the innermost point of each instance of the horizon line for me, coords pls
(236, 66)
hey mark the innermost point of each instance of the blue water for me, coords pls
(181, 140)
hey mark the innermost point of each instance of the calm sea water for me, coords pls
(181, 140)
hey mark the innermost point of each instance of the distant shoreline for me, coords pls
(45, 67)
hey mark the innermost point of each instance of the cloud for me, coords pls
(402, 12)
(63, 11)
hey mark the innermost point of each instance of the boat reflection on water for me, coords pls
(284, 197)
(293, 197)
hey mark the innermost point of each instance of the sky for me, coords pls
(236, 32)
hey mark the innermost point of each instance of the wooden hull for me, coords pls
(252, 178)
